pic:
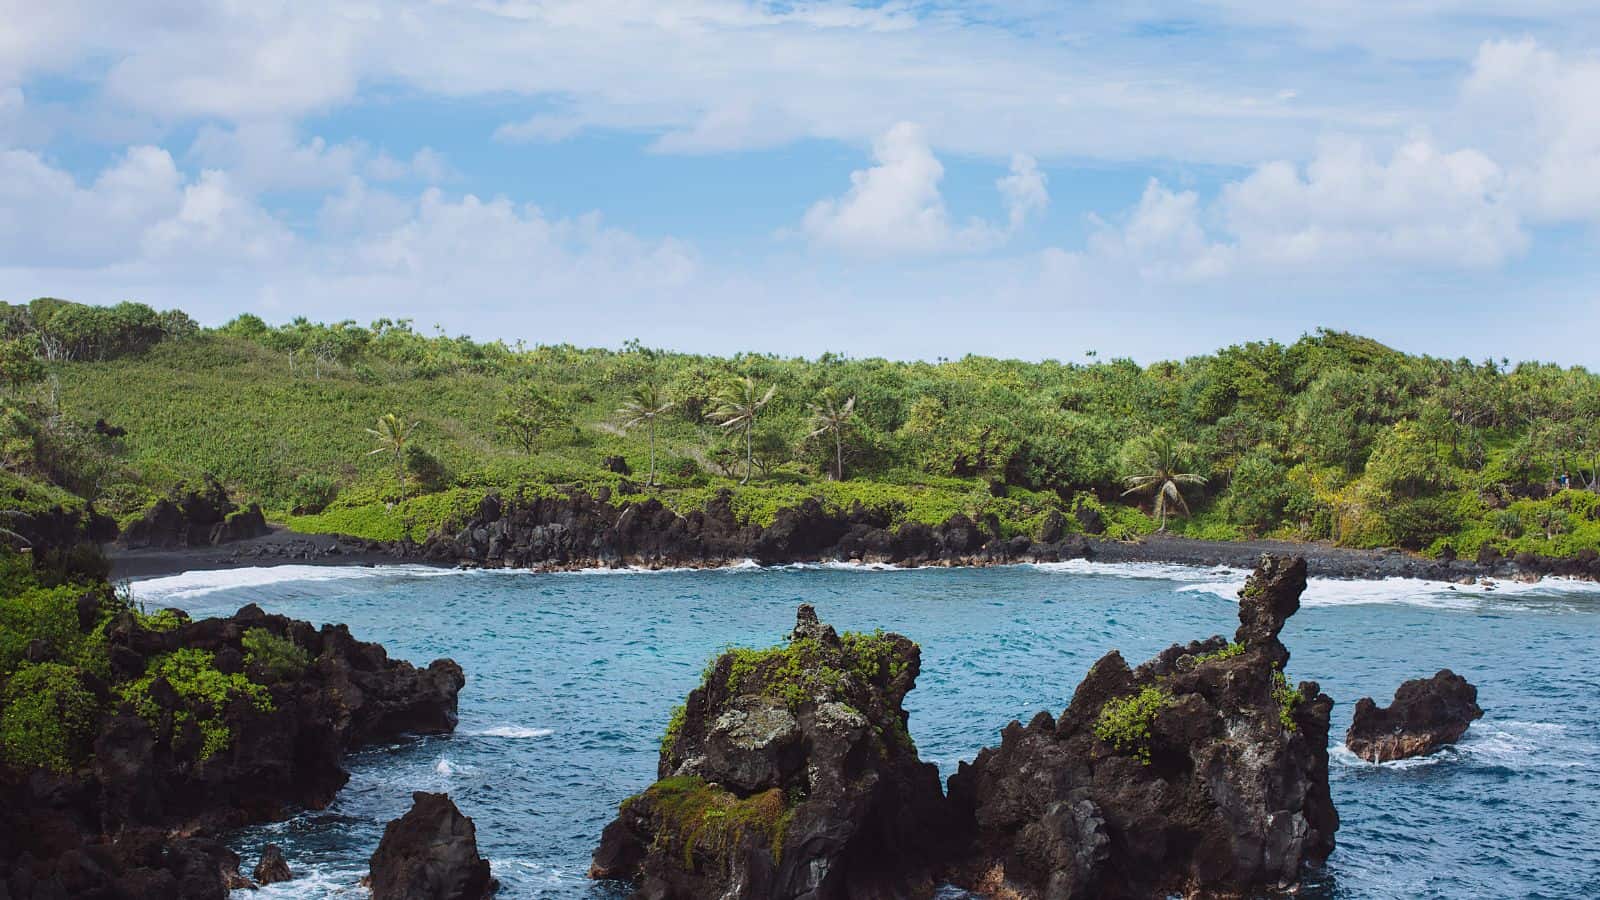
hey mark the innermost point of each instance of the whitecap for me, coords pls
(509, 731)
(309, 882)
(1413, 591)
(200, 582)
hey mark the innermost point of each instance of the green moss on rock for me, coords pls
(205, 693)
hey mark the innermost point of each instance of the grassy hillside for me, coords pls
(1334, 437)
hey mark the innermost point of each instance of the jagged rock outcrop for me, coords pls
(430, 853)
(194, 518)
(1200, 771)
(213, 724)
(1427, 713)
(579, 530)
(789, 773)
(273, 868)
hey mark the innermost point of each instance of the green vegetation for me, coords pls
(669, 738)
(48, 717)
(204, 690)
(1124, 722)
(1288, 699)
(1334, 437)
(1233, 649)
(1158, 477)
(278, 658)
(713, 822)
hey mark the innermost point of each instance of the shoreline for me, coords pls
(282, 547)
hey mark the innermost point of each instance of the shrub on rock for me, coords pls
(789, 773)
(1201, 771)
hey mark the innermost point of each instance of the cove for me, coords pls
(571, 678)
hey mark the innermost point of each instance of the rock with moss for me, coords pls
(789, 773)
(152, 725)
(194, 517)
(1201, 772)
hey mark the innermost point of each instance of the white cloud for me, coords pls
(48, 219)
(1423, 206)
(1024, 191)
(1162, 239)
(895, 207)
(1548, 126)
(1346, 208)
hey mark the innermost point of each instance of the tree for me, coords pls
(644, 405)
(1161, 478)
(19, 365)
(828, 417)
(529, 414)
(392, 434)
(736, 410)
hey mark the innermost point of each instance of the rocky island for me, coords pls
(1427, 713)
(790, 773)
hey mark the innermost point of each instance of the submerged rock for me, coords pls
(1427, 713)
(1200, 771)
(430, 853)
(789, 773)
(272, 868)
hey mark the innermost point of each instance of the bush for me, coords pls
(311, 494)
(203, 691)
(277, 658)
(49, 717)
(1125, 722)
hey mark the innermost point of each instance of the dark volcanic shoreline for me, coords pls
(578, 532)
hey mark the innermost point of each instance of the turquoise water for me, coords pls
(571, 677)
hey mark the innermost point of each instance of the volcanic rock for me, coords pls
(789, 773)
(272, 868)
(1201, 771)
(194, 518)
(106, 829)
(1427, 713)
(430, 853)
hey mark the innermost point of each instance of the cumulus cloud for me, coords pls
(895, 207)
(48, 219)
(1162, 238)
(1549, 126)
(1347, 207)
(143, 222)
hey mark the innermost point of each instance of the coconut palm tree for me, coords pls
(1161, 478)
(827, 417)
(736, 410)
(644, 406)
(392, 434)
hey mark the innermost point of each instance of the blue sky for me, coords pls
(913, 180)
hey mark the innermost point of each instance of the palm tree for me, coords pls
(1162, 478)
(737, 409)
(392, 434)
(644, 405)
(828, 417)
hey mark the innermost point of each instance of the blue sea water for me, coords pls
(571, 678)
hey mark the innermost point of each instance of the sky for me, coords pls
(914, 180)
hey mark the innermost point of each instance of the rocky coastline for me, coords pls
(218, 723)
(577, 531)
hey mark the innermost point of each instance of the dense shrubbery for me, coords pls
(1333, 437)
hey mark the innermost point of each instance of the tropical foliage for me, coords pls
(1333, 437)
